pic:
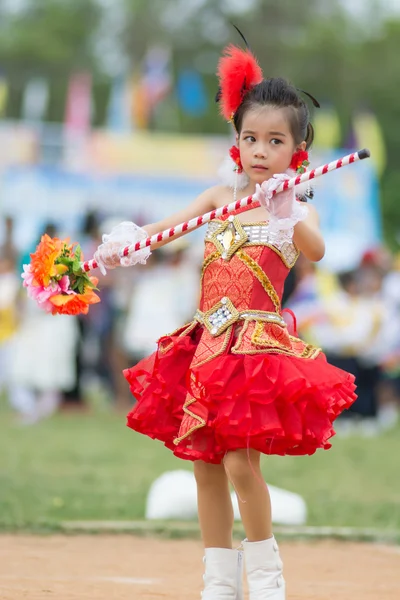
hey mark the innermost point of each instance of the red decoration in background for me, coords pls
(234, 153)
(238, 71)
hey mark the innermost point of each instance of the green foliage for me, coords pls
(52, 36)
(79, 279)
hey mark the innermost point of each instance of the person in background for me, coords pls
(153, 307)
(356, 327)
(41, 359)
(9, 316)
(101, 359)
(8, 249)
(380, 279)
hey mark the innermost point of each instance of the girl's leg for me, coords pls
(223, 570)
(48, 403)
(243, 470)
(263, 563)
(214, 505)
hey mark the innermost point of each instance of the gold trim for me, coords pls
(223, 303)
(220, 350)
(262, 278)
(239, 226)
(210, 258)
(188, 328)
(277, 251)
(240, 337)
(249, 314)
(201, 423)
(266, 316)
(306, 355)
(227, 253)
(310, 352)
(257, 339)
(244, 223)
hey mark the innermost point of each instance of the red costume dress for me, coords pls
(235, 377)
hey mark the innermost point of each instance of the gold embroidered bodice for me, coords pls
(244, 264)
(242, 280)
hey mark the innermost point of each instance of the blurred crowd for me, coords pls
(50, 363)
(354, 316)
(53, 363)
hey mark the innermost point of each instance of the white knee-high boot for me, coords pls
(223, 574)
(264, 570)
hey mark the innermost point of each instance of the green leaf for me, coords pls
(78, 253)
(76, 268)
(64, 260)
(91, 285)
(81, 286)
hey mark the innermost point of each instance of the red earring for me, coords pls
(300, 161)
(234, 153)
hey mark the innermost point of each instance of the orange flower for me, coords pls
(43, 260)
(75, 304)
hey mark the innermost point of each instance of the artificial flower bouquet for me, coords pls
(56, 280)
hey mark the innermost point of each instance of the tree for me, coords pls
(51, 36)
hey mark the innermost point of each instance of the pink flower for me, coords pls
(27, 276)
(64, 285)
(42, 294)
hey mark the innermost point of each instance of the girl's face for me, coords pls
(266, 144)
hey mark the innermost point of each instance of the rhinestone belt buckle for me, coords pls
(220, 316)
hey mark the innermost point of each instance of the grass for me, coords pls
(92, 467)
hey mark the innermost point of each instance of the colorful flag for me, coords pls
(141, 110)
(35, 99)
(156, 76)
(3, 94)
(119, 114)
(78, 105)
(327, 128)
(368, 133)
(191, 93)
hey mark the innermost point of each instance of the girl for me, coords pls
(235, 382)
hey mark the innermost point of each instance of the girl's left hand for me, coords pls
(283, 209)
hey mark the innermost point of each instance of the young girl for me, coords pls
(235, 383)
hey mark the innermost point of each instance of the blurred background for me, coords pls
(107, 113)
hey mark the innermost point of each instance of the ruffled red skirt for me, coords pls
(272, 403)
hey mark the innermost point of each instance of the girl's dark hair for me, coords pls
(279, 93)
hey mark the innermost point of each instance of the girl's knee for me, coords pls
(206, 473)
(241, 465)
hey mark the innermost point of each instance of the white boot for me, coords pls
(264, 570)
(223, 575)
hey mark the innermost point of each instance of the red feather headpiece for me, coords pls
(238, 71)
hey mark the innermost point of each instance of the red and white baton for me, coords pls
(246, 203)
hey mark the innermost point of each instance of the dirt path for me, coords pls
(122, 567)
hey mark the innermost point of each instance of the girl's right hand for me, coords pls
(108, 254)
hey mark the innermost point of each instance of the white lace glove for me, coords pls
(283, 208)
(124, 234)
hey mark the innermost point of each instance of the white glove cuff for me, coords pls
(299, 213)
(128, 234)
